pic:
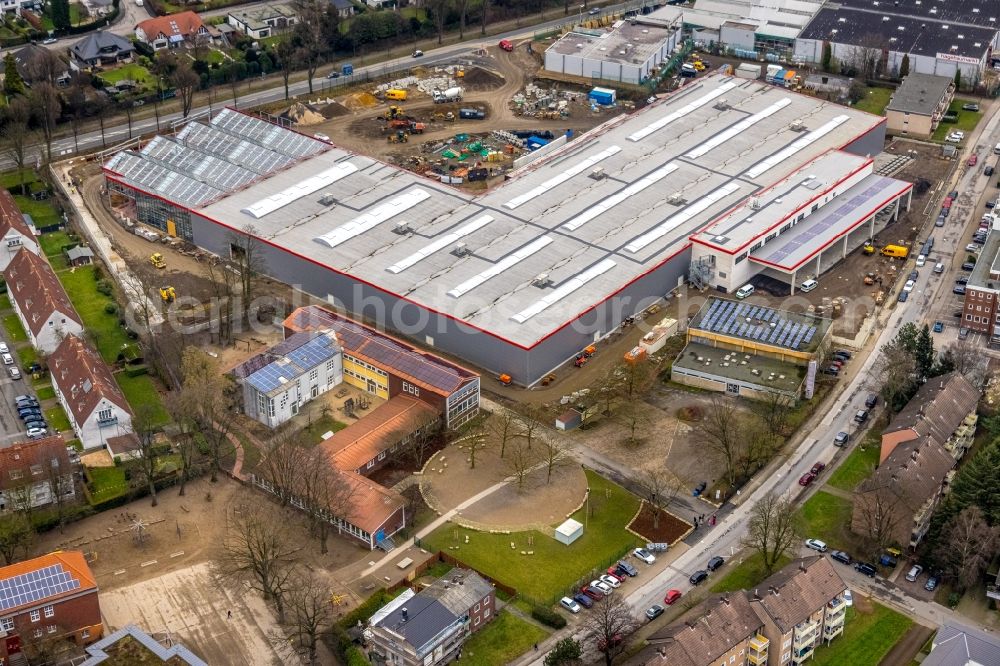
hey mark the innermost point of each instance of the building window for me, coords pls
(476, 609)
(35, 616)
(381, 455)
(371, 463)
(313, 374)
(476, 623)
(486, 613)
(49, 611)
(15, 474)
(37, 633)
(53, 628)
(330, 365)
(85, 633)
(742, 257)
(7, 624)
(104, 415)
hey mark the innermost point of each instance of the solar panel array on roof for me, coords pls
(151, 175)
(274, 137)
(285, 366)
(199, 165)
(34, 586)
(249, 155)
(756, 322)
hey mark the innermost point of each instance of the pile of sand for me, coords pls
(302, 114)
(335, 110)
(360, 101)
(481, 78)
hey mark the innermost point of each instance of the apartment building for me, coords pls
(431, 627)
(900, 496)
(918, 104)
(41, 303)
(120, 648)
(15, 232)
(722, 630)
(35, 473)
(943, 409)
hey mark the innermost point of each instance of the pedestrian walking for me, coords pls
(229, 615)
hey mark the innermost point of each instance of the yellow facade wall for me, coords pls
(359, 374)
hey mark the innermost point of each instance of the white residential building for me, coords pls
(40, 301)
(15, 232)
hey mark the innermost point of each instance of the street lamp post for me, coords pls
(579, 18)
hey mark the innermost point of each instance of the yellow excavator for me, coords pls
(394, 112)
(157, 260)
(168, 294)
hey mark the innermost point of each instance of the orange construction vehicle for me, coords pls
(581, 360)
(589, 350)
(505, 379)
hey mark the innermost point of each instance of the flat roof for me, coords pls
(830, 223)
(905, 32)
(775, 18)
(762, 370)
(984, 13)
(989, 261)
(802, 332)
(626, 43)
(920, 94)
(666, 172)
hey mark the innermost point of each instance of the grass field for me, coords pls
(90, 303)
(141, 391)
(875, 100)
(320, 427)
(57, 419)
(827, 518)
(43, 213)
(501, 641)
(107, 482)
(856, 468)
(554, 567)
(866, 639)
(26, 354)
(967, 120)
(45, 393)
(15, 332)
(53, 242)
(132, 71)
(744, 576)
(5, 303)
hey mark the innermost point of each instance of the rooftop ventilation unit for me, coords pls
(460, 250)
(797, 126)
(676, 199)
(721, 240)
(722, 104)
(755, 203)
(402, 228)
(542, 280)
(327, 200)
(598, 173)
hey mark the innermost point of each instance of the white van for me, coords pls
(808, 285)
(744, 291)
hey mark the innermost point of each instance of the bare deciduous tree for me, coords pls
(182, 416)
(310, 610)
(46, 108)
(554, 454)
(967, 546)
(210, 394)
(15, 135)
(772, 531)
(185, 81)
(966, 359)
(773, 410)
(609, 621)
(147, 456)
(16, 536)
(721, 433)
(660, 487)
(518, 462)
(895, 375)
(502, 427)
(875, 515)
(60, 482)
(247, 255)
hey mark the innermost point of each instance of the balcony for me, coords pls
(837, 615)
(757, 654)
(831, 631)
(801, 654)
(104, 423)
(805, 638)
(993, 592)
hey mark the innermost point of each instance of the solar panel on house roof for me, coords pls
(35, 585)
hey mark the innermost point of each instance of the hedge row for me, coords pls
(548, 617)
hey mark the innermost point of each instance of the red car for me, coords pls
(613, 572)
(671, 597)
(817, 468)
(806, 479)
(973, 159)
(594, 594)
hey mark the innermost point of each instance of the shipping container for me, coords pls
(471, 114)
(603, 96)
(748, 71)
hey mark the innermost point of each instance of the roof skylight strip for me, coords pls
(500, 266)
(373, 218)
(680, 218)
(259, 209)
(440, 244)
(738, 128)
(614, 200)
(805, 141)
(555, 181)
(563, 291)
(681, 112)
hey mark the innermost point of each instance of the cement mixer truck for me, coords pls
(449, 95)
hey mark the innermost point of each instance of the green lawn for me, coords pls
(141, 391)
(53, 242)
(43, 213)
(856, 468)
(15, 332)
(875, 100)
(744, 576)
(9, 179)
(82, 290)
(554, 567)
(828, 518)
(320, 427)
(46, 393)
(107, 482)
(132, 71)
(57, 419)
(5, 303)
(867, 638)
(26, 354)
(501, 641)
(967, 120)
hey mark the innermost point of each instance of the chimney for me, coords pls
(406, 615)
(725, 599)
(756, 597)
(773, 590)
(802, 567)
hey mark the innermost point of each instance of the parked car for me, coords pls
(938, 326)
(614, 573)
(14, 372)
(583, 600)
(654, 611)
(932, 583)
(817, 468)
(840, 556)
(570, 605)
(848, 598)
(671, 596)
(963, 333)
(841, 439)
(7, 359)
(699, 489)
(861, 416)
(939, 222)
(958, 289)
(972, 247)
(831, 370)
(816, 545)
(806, 479)
(970, 107)
(418, 53)
(914, 274)
(627, 569)
(888, 560)
(968, 266)
(908, 287)
(644, 555)
(914, 573)
(49, 40)
(611, 581)
(602, 644)
(715, 563)
(599, 584)
(871, 400)
(973, 160)
(988, 171)
(964, 280)
(37, 423)
(30, 415)
(866, 569)
(698, 577)
(4, 349)
(36, 433)
(593, 593)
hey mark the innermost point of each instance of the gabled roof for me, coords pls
(83, 378)
(43, 580)
(371, 504)
(182, 24)
(37, 291)
(959, 645)
(90, 47)
(11, 216)
(79, 252)
(938, 408)
(436, 608)
(364, 439)
(33, 459)
(414, 365)
(715, 626)
(797, 591)
(912, 472)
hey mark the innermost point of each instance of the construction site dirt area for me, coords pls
(665, 528)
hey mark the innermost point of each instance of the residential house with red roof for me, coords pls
(40, 301)
(172, 31)
(95, 404)
(15, 232)
(49, 598)
(34, 473)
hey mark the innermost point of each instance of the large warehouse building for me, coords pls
(516, 280)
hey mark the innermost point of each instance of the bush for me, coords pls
(111, 308)
(953, 599)
(356, 657)
(366, 609)
(548, 617)
(104, 287)
(136, 370)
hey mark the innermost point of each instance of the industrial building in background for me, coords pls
(521, 278)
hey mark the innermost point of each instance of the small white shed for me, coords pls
(569, 532)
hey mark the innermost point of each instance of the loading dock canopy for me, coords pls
(830, 223)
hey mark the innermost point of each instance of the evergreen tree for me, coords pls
(60, 14)
(923, 351)
(13, 84)
(977, 483)
(958, 79)
(827, 56)
(904, 66)
(566, 651)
